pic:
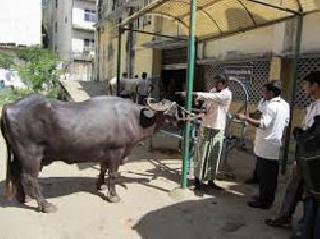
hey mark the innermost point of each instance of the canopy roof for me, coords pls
(218, 18)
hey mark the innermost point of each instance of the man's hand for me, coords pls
(242, 116)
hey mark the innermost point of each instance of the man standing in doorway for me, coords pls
(208, 152)
(143, 88)
(267, 144)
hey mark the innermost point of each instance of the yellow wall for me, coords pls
(143, 56)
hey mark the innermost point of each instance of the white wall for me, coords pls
(20, 22)
(78, 40)
(78, 14)
(77, 45)
(62, 39)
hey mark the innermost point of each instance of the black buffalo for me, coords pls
(39, 131)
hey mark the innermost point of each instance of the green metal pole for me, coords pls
(119, 59)
(189, 90)
(293, 87)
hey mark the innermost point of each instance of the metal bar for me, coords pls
(131, 43)
(284, 9)
(189, 90)
(248, 12)
(154, 13)
(299, 5)
(119, 59)
(293, 86)
(154, 34)
(230, 33)
(212, 19)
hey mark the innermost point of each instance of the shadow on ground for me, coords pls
(204, 219)
(54, 187)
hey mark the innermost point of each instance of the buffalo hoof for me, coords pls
(48, 208)
(24, 199)
(113, 198)
(27, 199)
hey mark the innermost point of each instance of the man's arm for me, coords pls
(222, 97)
(250, 120)
(264, 122)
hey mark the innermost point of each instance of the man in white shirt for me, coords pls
(208, 151)
(261, 108)
(144, 88)
(294, 191)
(311, 218)
(267, 145)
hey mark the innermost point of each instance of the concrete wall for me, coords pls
(20, 22)
(78, 14)
(275, 39)
(77, 40)
(59, 27)
(311, 33)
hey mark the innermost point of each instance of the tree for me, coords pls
(6, 61)
(39, 67)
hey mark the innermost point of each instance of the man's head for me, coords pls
(311, 84)
(136, 76)
(144, 75)
(124, 75)
(221, 83)
(271, 90)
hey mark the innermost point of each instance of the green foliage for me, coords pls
(8, 95)
(6, 61)
(38, 71)
(39, 68)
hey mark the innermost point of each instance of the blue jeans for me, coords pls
(311, 219)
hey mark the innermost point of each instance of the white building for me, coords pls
(20, 23)
(70, 30)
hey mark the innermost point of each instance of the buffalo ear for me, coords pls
(147, 117)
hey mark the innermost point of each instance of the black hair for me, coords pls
(313, 77)
(273, 87)
(220, 79)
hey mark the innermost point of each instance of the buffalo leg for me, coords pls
(32, 187)
(103, 170)
(16, 174)
(112, 176)
(31, 163)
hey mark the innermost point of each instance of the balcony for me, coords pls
(86, 55)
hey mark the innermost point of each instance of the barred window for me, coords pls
(90, 15)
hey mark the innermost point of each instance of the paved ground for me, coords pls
(149, 207)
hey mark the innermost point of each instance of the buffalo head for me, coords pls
(163, 112)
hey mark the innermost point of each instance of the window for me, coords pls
(90, 15)
(88, 43)
(65, 19)
(147, 20)
(56, 3)
(56, 27)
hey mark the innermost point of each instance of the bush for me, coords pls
(6, 61)
(39, 68)
(8, 95)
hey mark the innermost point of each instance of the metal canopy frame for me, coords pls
(193, 8)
